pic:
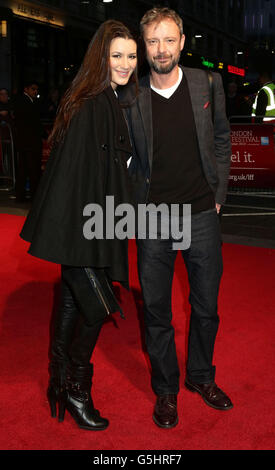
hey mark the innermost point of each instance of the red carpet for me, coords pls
(244, 357)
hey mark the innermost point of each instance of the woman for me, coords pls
(88, 162)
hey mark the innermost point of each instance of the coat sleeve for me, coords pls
(74, 177)
(222, 140)
(262, 103)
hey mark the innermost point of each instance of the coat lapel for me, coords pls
(198, 97)
(145, 108)
(121, 137)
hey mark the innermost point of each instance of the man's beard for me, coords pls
(161, 68)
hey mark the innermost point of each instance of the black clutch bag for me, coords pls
(92, 292)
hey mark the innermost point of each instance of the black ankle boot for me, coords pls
(76, 398)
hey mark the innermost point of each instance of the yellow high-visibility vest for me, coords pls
(269, 89)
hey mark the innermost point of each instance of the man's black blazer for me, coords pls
(213, 137)
(28, 127)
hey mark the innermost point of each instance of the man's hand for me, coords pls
(218, 208)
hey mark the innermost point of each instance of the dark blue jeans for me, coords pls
(203, 261)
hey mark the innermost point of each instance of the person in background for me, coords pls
(88, 162)
(51, 105)
(28, 138)
(233, 105)
(264, 103)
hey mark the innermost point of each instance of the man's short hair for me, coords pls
(158, 14)
(28, 83)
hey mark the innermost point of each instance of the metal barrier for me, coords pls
(241, 119)
(7, 157)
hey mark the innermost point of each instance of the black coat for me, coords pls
(90, 164)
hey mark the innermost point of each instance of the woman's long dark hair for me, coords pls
(93, 77)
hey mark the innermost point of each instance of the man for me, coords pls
(29, 132)
(179, 157)
(264, 104)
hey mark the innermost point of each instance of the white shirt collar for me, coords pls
(167, 92)
(28, 96)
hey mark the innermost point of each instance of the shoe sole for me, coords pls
(165, 426)
(87, 428)
(193, 389)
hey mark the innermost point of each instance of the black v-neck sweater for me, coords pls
(177, 173)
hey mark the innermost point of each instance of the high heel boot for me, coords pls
(64, 324)
(76, 398)
(55, 387)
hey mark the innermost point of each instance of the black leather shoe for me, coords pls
(211, 394)
(165, 412)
